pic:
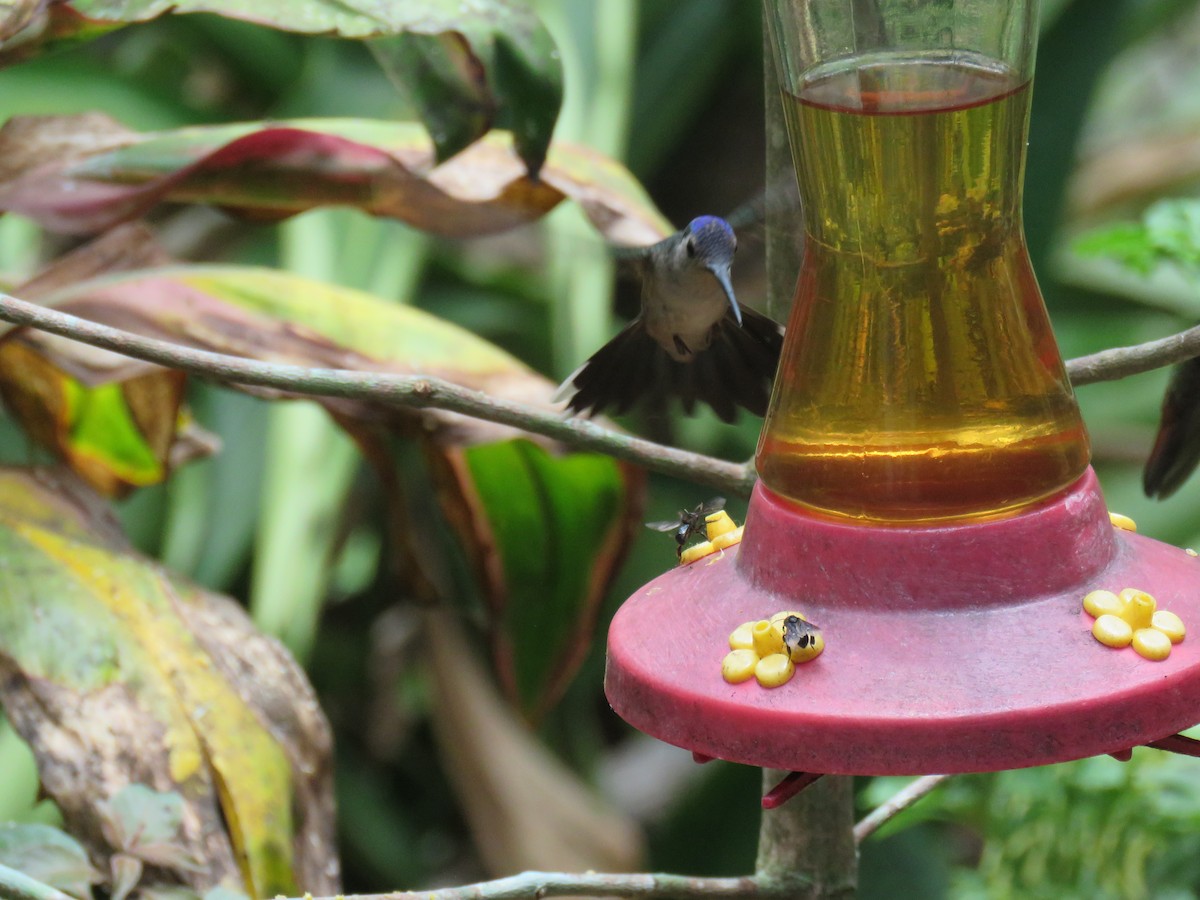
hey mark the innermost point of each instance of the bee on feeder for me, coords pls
(690, 522)
(801, 639)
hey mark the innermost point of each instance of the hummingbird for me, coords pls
(691, 339)
(1176, 450)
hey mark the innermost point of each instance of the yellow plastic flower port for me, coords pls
(721, 531)
(1169, 624)
(742, 637)
(770, 649)
(768, 639)
(739, 666)
(774, 670)
(1112, 631)
(1132, 618)
(1123, 522)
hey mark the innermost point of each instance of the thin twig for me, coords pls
(591, 884)
(896, 804)
(389, 389)
(427, 392)
(1121, 362)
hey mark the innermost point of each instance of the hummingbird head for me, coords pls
(709, 242)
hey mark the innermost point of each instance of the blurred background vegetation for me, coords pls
(287, 517)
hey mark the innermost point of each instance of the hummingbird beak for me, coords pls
(722, 276)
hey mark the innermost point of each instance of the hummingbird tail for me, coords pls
(1176, 450)
(736, 370)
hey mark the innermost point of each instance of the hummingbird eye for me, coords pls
(691, 248)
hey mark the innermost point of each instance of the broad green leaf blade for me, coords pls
(50, 856)
(1169, 234)
(1126, 242)
(105, 175)
(117, 675)
(547, 533)
(1173, 227)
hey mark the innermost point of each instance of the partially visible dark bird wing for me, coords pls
(736, 370)
(1176, 450)
(616, 375)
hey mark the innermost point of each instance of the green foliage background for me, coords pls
(675, 89)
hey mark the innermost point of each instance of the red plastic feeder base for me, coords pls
(957, 648)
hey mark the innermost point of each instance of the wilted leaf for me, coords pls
(468, 64)
(15, 15)
(471, 66)
(45, 25)
(116, 420)
(271, 171)
(525, 808)
(546, 535)
(126, 873)
(106, 676)
(116, 435)
(280, 317)
(48, 855)
(145, 823)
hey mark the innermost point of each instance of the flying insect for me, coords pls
(690, 522)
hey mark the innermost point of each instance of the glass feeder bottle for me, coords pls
(920, 380)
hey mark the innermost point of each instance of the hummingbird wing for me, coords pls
(735, 371)
(1176, 449)
(738, 367)
(615, 376)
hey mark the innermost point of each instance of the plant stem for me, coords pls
(896, 804)
(591, 884)
(808, 842)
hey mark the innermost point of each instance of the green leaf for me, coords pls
(1169, 233)
(1173, 227)
(558, 527)
(50, 856)
(1125, 242)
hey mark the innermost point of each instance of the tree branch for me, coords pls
(1121, 362)
(896, 804)
(395, 390)
(420, 392)
(591, 884)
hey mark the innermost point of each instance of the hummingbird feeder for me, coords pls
(926, 508)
